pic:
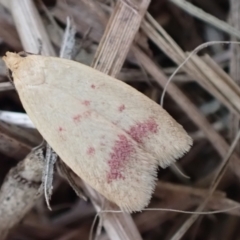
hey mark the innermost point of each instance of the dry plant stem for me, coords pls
(123, 24)
(30, 27)
(208, 18)
(183, 229)
(20, 190)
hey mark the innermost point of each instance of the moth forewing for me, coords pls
(109, 134)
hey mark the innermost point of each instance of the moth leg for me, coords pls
(48, 171)
(74, 181)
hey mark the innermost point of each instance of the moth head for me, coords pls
(24, 68)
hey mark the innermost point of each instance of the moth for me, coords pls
(111, 135)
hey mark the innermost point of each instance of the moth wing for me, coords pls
(105, 131)
(142, 119)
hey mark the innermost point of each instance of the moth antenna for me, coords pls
(195, 51)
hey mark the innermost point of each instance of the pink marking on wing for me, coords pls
(60, 129)
(121, 108)
(86, 102)
(120, 155)
(77, 118)
(93, 86)
(61, 135)
(142, 130)
(91, 151)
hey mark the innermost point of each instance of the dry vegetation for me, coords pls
(140, 42)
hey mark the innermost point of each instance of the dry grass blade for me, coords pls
(121, 29)
(208, 18)
(26, 13)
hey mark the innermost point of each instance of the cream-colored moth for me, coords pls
(108, 133)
